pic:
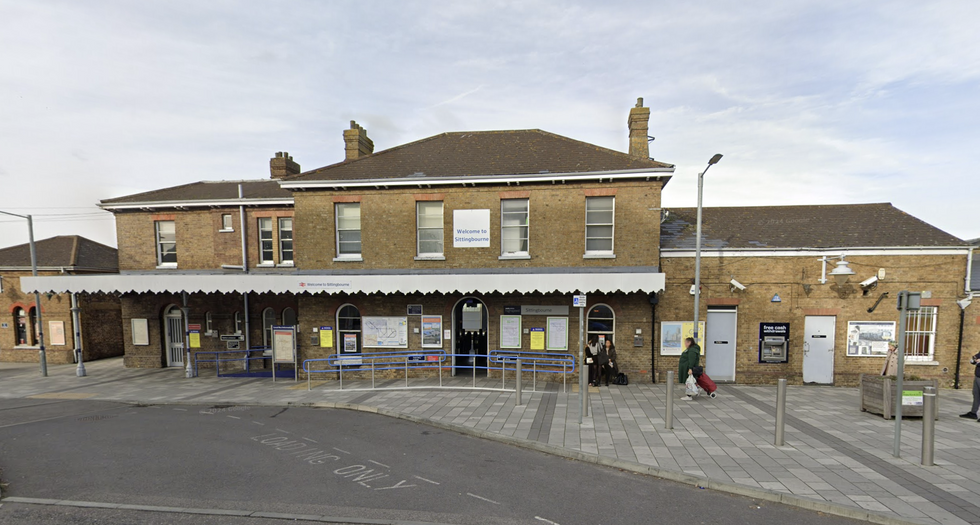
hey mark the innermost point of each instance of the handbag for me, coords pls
(603, 357)
(588, 360)
(691, 386)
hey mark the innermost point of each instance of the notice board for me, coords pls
(384, 332)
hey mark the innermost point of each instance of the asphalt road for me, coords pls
(343, 464)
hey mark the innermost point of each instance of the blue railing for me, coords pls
(501, 360)
(218, 357)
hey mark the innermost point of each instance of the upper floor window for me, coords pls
(429, 221)
(266, 249)
(166, 234)
(599, 212)
(349, 230)
(513, 226)
(286, 240)
(920, 334)
(226, 225)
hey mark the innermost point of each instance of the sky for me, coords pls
(811, 102)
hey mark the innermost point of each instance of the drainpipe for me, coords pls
(653, 345)
(241, 220)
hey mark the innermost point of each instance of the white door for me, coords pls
(818, 349)
(719, 344)
(174, 324)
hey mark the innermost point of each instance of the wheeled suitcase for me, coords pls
(706, 383)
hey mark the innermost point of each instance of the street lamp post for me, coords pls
(697, 249)
(37, 295)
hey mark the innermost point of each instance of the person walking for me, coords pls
(610, 368)
(689, 359)
(972, 414)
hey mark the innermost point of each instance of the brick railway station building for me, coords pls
(387, 249)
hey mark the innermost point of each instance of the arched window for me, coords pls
(32, 327)
(238, 322)
(601, 323)
(348, 329)
(20, 324)
(268, 319)
(289, 317)
(208, 325)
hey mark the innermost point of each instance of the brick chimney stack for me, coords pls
(638, 121)
(357, 142)
(282, 165)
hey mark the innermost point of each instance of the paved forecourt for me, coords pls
(836, 458)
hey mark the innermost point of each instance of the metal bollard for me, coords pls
(928, 425)
(669, 413)
(780, 412)
(520, 384)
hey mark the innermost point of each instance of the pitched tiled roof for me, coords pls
(207, 191)
(823, 226)
(461, 154)
(63, 251)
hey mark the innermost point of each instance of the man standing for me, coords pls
(972, 414)
(689, 359)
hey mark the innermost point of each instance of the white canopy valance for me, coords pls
(465, 283)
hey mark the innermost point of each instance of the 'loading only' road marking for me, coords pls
(359, 474)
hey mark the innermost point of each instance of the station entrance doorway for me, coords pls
(470, 338)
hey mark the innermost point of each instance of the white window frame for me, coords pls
(588, 322)
(920, 334)
(418, 230)
(160, 243)
(341, 331)
(267, 327)
(208, 323)
(238, 322)
(341, 256)
(518, 254)
(264, 242)
(610, 253)
(227, 225)
(283, 260)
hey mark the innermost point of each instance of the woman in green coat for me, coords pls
(689, 359)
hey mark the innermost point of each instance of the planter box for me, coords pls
(878, 396)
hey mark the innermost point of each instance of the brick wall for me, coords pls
(786, 276)
(556, 226)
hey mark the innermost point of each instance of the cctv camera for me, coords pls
(736, 285)
(869, 282)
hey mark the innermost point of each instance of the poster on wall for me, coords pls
(195, 338)
(537, 339)
(350, 343)
(673, 333)
(557, 333)
(141, 332)
(385, 332)
(57, 331)
(431, 331)
(869, 338)
(510, 331)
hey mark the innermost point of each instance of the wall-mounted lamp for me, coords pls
(841, 273)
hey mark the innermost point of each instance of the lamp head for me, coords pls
(842, 272)
(715, 159)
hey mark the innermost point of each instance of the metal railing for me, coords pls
(218, 358)
(409, 361)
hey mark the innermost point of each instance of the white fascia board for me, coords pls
(217, 203)
(369, 283)
(808, 252)
(473, 180)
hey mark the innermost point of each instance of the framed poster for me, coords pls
(510, 331)
(673, 333)
(869, 338)
(384, 332)
(431, 331)
(57, 331)
(141, 332)
(350, 343)
(283, 344)
(557, 333)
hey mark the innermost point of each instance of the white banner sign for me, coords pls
(471, 228)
